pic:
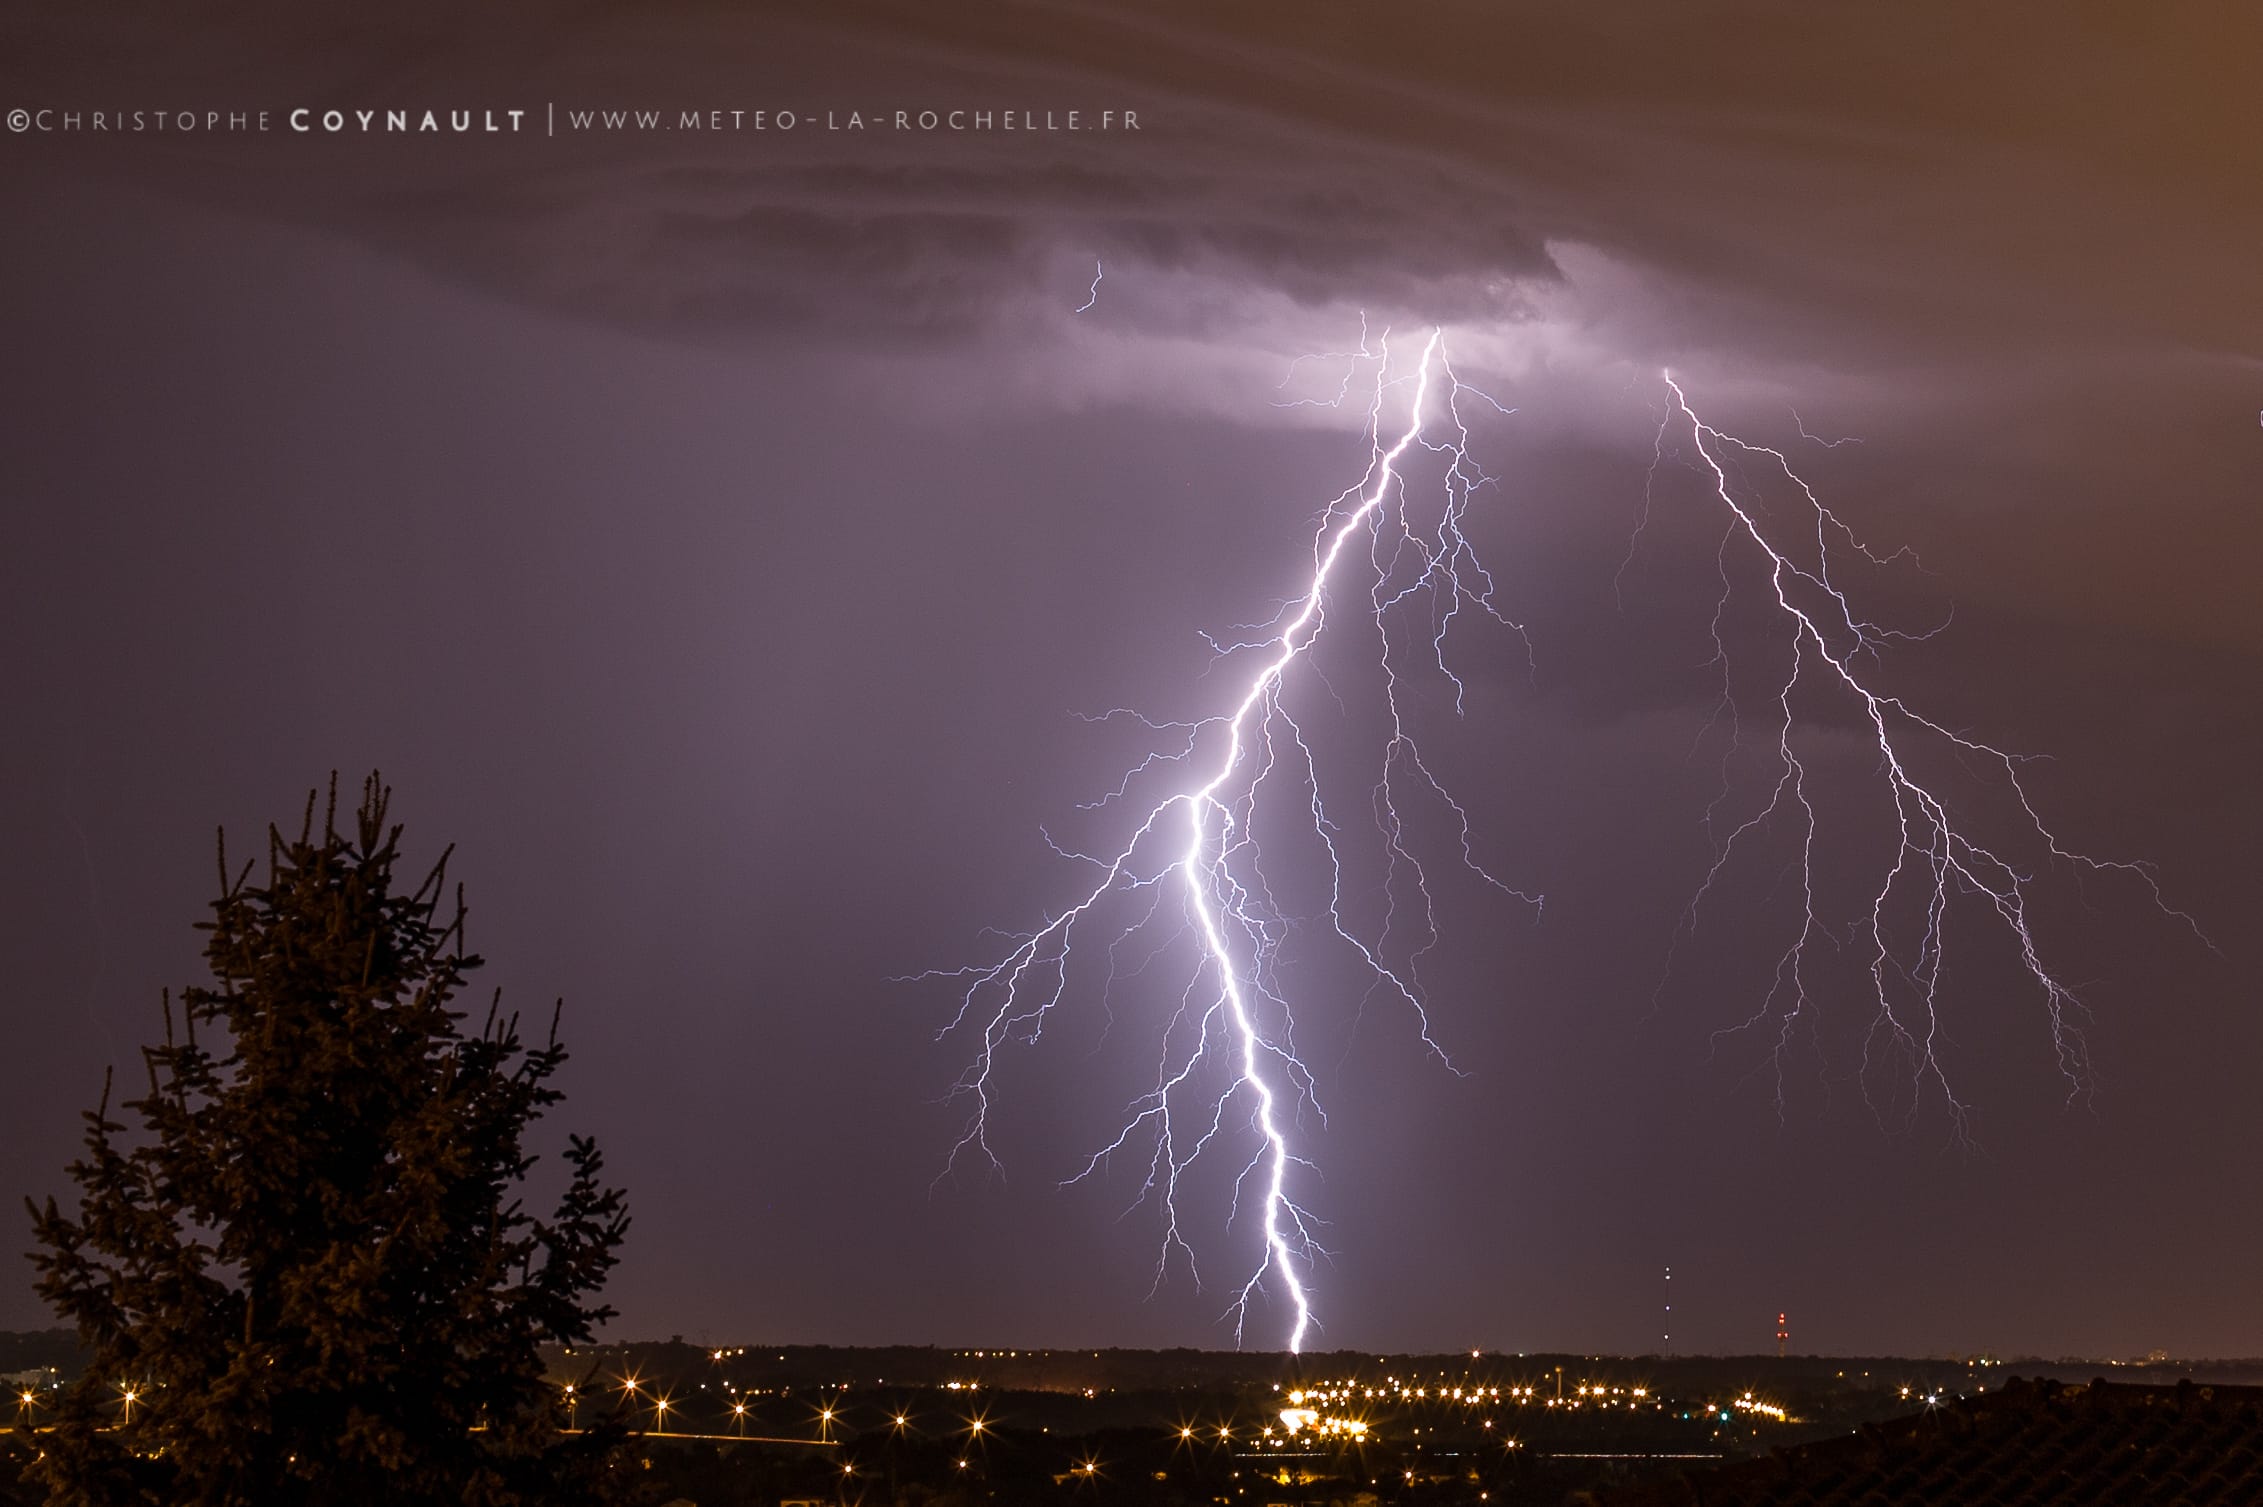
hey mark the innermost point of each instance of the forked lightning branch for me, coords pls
(1392, 561)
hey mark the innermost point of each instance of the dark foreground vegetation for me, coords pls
(299, 1262)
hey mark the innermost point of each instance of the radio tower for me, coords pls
(1783, 1333)
(1669, 1310)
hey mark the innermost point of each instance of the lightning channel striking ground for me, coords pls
(1192, 851)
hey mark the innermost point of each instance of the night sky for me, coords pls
(716, 534)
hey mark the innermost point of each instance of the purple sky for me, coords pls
(714, 536)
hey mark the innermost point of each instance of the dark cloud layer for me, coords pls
(1826, 179)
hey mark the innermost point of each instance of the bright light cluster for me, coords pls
(1312, 1421)
(1394, 1390)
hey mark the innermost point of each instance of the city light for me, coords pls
(1311, 1420)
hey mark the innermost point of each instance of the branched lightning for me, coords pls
(1190, 883)
(1191, 866)
(1939, 856)
(1816, 439)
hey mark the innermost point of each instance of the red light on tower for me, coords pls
(1783, 1333)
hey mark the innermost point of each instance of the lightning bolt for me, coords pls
(1193, 853)
(1227, 1071)
(1939, 856)
(1092, 298)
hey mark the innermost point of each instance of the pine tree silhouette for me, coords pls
(307, 1277)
